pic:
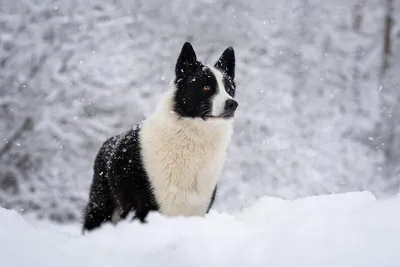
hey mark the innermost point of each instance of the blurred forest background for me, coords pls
(318, 85)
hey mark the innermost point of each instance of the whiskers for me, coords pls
(205, 110)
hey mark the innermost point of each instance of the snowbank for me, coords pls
(351, 229)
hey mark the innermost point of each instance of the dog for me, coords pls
(170, 162)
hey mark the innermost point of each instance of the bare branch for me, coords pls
(26, 126)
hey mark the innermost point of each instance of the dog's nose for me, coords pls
(231, 105)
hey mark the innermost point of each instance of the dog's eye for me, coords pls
(206, 88)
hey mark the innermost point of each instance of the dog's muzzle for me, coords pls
(230, 108)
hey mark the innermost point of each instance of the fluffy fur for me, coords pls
(183, 158)
(172, 161)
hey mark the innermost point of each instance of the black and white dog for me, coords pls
(170, 162)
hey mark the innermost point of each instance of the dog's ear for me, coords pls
(186, 62)
(226, 63)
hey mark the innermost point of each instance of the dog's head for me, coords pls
(202, 91)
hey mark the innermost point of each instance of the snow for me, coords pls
(348, 229)
(317, 115)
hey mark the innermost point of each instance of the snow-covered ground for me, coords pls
(350, 229)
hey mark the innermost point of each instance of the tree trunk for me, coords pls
(387, 42)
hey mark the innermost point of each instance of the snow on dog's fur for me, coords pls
(171, 162)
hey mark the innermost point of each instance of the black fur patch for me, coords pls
(226, 63)
(191, 98)
(120, 181)
(230, 86)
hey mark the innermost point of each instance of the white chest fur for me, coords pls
(183, 159)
